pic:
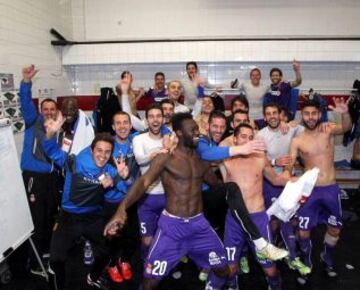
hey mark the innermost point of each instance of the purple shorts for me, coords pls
(271, 192)
(236, 237)
(150, 208)
(177, 237)
(323, 206)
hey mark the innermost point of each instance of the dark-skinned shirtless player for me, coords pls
(182, 227)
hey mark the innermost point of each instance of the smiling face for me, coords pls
(159, 82)
(240, 118)
(311, 117)
(272, 117)
(121, 126)
(101, 153)
(168, 110)
(190, 133)
(255, 77)
(207, 105)
(174, 90)
(49, 110)
(244, 136)
(191, 70)
(155, 120)
(70, 110)
(217, 127)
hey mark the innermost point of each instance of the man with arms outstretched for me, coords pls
(316, 149)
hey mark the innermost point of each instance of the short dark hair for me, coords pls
(242, 125)
(216, 114)
(167, 101)
(105, 137)
(240, 98)
(192, 63)
(178, 118)
(272, 104)
(47, 100)
(255, 69)
(311, 103)
(159, 73)
(276, 69)
(121, 113)
(125, 72)
(153, 106)
(239, 111)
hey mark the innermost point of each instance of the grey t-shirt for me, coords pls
(277, 143)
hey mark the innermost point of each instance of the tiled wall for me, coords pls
(25, 39)
(87, 79)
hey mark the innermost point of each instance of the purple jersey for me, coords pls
(281, 94)
(177, 237)
(323, 206)
(149, 211)
(236, 237)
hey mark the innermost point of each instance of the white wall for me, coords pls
(25, 39)
(137, 19)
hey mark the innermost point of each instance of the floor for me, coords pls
(347, 253)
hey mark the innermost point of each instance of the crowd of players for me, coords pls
(175, 176)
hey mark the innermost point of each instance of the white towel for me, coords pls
(84, 133)
(293, 195)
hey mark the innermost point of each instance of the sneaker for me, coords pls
(125, 269)
(100, 283)
(244, 265)
(329, 269)
(114, 274)
(299, 266)
(203, 275)
(272, 253)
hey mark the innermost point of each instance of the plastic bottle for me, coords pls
(88, 254)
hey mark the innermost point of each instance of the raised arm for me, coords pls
(136, 191)
(293, 154)
(298, 79)
(342, 107)
(27, 106)
(137, 123)
(50, 145)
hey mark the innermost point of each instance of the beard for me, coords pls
(309, 127)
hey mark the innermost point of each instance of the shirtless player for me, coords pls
(182, 228)
(316, 149)
(248, 172)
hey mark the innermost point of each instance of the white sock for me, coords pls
(260, 243)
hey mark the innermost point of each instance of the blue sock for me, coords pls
(215, 281)
(306, 247)
(288, 235)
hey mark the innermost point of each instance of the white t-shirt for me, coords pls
(255, 97)
(143, 146)
(277, 143)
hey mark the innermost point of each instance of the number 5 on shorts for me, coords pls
(142, 228)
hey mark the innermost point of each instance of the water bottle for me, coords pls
(88, 254)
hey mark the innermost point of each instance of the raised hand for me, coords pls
(53, 126)
(296, 65)
(121, 167)
(341, 106)
(125, 84)
(28, 73)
